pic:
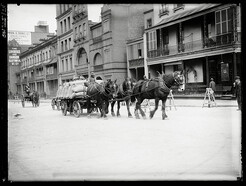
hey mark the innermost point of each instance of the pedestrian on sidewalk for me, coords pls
(237, 87)
(212, 85)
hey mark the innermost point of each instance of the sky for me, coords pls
(26, 16)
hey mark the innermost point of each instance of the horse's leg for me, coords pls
(152, 112)
(164, 115)
(118, 108)
(128, 108)
(141, 110)
(112, 108)
(88, 108)
(106, 107)
(136, 109)
(103, 107)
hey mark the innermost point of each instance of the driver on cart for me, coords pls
(27, 89)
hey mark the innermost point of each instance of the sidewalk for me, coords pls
(179, 102)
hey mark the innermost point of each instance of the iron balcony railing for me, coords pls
(190, 45)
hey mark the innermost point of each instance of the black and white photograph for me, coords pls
(123, 92)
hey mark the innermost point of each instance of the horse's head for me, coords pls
(127, 85)
(111, 88)
(179, 80)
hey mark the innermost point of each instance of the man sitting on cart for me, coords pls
(27, 89)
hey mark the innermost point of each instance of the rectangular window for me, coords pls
(62, 65)
(67, 65)
(223, 21)
(84, 29)
(65, 25)
(75, 32)
(149, 23)
(61, 27)
(69, 43)
(152, 40)
(62, 49)
(163, 10)
(105, 26)
(65, 45)
(71, 63)
(68, 22)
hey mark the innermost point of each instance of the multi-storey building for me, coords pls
(202, 39)
(82, 36)
(39, 67)
(107, 55)
(65, 40)
(134, 44)
(23, 40)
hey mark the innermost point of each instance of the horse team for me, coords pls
(99, 96)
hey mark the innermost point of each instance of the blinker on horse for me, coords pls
(158, 89)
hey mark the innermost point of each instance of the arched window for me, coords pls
(82, 56)
(98, 59)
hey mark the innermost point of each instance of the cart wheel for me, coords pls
(76, 109)
(58, 105)
(64, 108)
(53, 104)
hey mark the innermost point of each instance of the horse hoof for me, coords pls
(112, 113)
(144, 117)
(130, 116)
(118, 115)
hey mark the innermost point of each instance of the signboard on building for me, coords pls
(14, 55)
(22, 37)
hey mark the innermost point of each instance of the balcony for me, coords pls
(79, 38)
(194, 45)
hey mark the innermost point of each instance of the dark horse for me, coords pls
(99, 95)
(158, 89)
(124, 92)
(35, 98)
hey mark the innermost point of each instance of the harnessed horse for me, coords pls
(124, 92)
(157, 89)
(100, 94)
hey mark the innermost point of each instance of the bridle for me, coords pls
(175, 79)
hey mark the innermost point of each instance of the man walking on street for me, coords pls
(212, 86)
(237, 86)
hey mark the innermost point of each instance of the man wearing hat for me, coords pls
(92, 78)
(237, 86)
(212, 86)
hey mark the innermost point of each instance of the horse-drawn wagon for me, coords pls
(30, 97)
(72, 97)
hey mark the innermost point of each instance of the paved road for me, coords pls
(193, 143)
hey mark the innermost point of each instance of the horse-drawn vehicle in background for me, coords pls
(29, 96)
